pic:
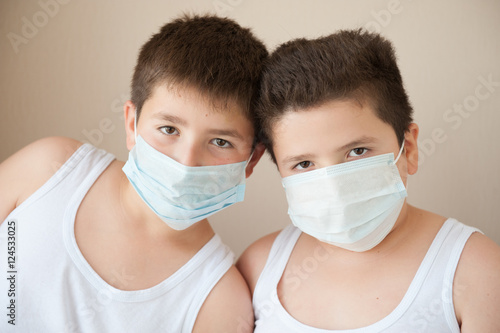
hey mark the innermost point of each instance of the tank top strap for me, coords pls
(89, 163)
(217, 260)
(276, 262)
(459, 234)
(96, 161)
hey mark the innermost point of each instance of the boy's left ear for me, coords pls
(411, 148)
(129, 114)
(257, 154)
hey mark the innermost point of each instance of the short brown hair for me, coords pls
(211, 54)
(350, 64)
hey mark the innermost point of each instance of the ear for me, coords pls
(257, 154)
(129, 113)
(411, 148)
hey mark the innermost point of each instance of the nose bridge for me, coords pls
(333, 159)
(190, 152)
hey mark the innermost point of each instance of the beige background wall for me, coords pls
(66, 65)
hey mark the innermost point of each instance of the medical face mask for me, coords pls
(353, 205)
(182, 195)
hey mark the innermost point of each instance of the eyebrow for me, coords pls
(223, 132)
(353, 144)
(171, 118)
(297, 158)
(358, 142)
(179, 121)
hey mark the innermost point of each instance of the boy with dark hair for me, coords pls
(338, 124)
(106, 250)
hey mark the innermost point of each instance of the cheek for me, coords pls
(283, 172)
(216, 158)
(403, 170)
(159, 142)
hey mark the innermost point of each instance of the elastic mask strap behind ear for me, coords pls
(400, 151)
(250, 158)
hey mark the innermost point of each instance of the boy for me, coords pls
(97, 249)
(338, 124)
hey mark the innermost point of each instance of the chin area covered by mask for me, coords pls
(182, 195)
(353, 205)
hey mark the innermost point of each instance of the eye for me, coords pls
(221, 143)
(303, 165)
(356, 152)
(169, 130)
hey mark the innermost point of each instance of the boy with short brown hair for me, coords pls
(358, 258)
(107, 246)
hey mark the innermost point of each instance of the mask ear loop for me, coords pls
(400, 151)
(249, 159)
(396, 160)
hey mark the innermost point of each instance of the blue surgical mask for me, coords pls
(182, 195)
(353, 205)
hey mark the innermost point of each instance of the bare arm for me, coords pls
(228, 307)
(252, 261)
(24, 172)
(476, 288)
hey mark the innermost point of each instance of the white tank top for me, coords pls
(53, 287)
(426, 307)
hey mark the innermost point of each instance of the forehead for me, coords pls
(194, 107)
(186, 94)
(331, 123)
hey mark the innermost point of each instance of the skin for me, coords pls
(351, 289)
(182, 124)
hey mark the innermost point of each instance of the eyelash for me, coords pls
(169, 127)
(298, 166)
(226, 144)
(365, 150)
(214, 141)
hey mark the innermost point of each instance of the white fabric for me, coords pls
(352, 205)
(182, 195)
(58, 291)
(426, 307)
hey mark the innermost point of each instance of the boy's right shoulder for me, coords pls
(252, 261)
(42, 158)
(29, 168)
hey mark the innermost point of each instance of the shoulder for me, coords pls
(46, 154)
(42, 158)
(252, 261)
(29, 168)
(228, 307)
(476, 288)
